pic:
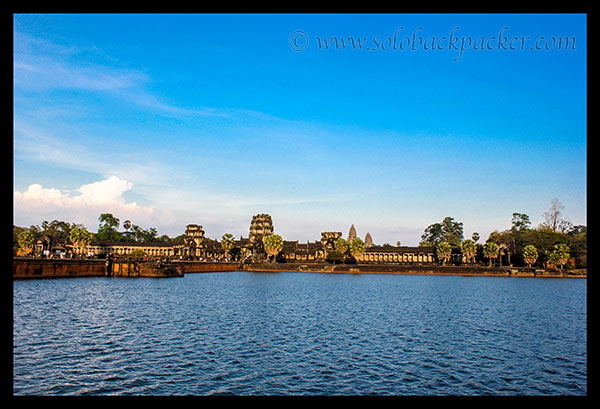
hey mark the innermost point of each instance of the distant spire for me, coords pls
(368, 240)
(352, 233)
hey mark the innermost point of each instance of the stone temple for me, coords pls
(368, 240)
(352, 233)
(194, 245)
(260, 226)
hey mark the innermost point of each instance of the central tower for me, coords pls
(261, 226)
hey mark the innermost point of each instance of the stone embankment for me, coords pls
(207, 267)
(30, 268)
(415, 269)
(57, 268)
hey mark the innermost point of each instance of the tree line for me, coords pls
(58, 231)
(554, 241)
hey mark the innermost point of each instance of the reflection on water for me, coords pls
(248, 333)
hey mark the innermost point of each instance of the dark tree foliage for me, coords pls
(543, 240)
(448, 230)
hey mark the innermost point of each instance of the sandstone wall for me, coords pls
(203, 267)
(57, 268)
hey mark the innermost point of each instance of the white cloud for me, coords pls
(106, 192)
(37, 203)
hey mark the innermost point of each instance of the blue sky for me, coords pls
(209, 119)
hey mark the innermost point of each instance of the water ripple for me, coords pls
(300, 334)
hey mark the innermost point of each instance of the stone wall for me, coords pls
(413, 269)
(57, 268)
(31, 268)
(202, 267)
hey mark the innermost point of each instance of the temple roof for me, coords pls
(352, 233)
(401, 249)
(136, 243)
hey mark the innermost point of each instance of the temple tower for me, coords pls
(352, 233)
(368, 240)
(260, 226)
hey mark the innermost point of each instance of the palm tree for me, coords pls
(127, 225)
(443, 251)
(468, 249)
(357, 247)
(25, 240)
(530, 254)
(490, 250)
(80, 237)
(137, 232)
(273, 244)
(559, 255)
(227, 243)
(341, 246)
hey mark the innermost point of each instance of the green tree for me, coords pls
(578, 244)
(16, 231)
(490, 251)
(273, 244)
(80, 238)
(164, 238)
(530, 254)
(25, 240)
(51, 231)
(56, 229)
(520, 221)
(448, 230)
(468, 249)
(433, 235)
(443, 251)
(356, 247)
(227, 243)
(334, 257)
(150, 235)
(544, 240)
(342, 246)
(138, 253)
(453, 231)
(127, 235)
(559, 255)
(136, 233)
(576, 230)
(107, 228)
(506, 241)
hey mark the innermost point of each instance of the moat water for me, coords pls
(246, 333)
